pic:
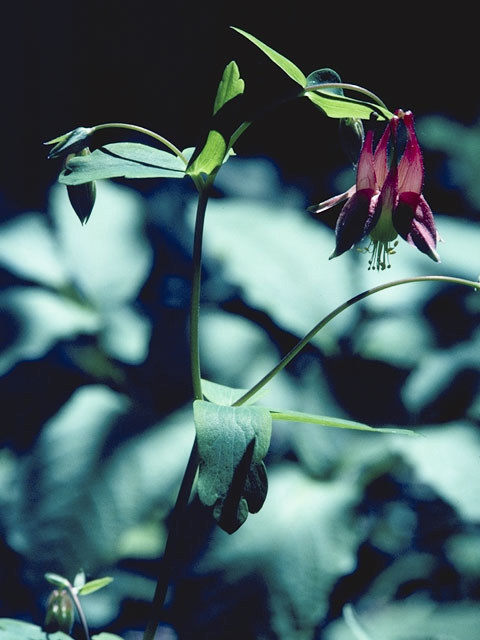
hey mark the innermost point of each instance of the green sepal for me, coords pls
(123, 160)
(210, 155)
(338, 423)
(232, 442)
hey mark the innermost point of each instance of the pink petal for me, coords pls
(423, 233)
(410, 168)
(331, 202)
(365, 170)
(380, 158)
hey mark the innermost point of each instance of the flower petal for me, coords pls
(353, 221)
(365, 171)
(421, 232)
(410, 167)
(331, 202)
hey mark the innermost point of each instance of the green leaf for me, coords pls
(284, 63)
(231, 85)
(226, 396)
(335, 106)
(104, 635)
(216, 149)
(11, 629)
(94, 585)
(57, 580)
(123, 160)
(232, 441)
(327, 421)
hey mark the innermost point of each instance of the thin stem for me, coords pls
(304, 341)
(147, 132)
(195, 296)
(181, 504)
(81, 616)
(171, 546)
(346, 85)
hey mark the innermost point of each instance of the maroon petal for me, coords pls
(380, 159)
(365, 171)
(422, 232)
(353, 220)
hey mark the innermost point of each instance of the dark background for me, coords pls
(157, 64)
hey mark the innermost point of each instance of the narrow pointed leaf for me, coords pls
(94, 585)
(284, 63)
(336, 106)
(123, 160)
(232, 442)
(57, 580)
(327, 421)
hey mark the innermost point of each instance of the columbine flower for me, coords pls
(386, 202)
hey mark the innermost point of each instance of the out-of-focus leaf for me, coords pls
(413, 618)
(447, 460)
(58, 581)
(263, 247)
(72, 478)
(28, 249)
(44, 318)
(301, 542)
(106, 636)
(123, 160)
(221, 394)
(18, 630)
(232, 442)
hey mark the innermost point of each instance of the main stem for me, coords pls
(181, 504)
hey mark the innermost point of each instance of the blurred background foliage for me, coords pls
(95, 383)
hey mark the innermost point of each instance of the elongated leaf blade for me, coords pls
(123, 160)
(338, 423)
(337, 106)
(94, 585)
(232, 442)
(280, 60)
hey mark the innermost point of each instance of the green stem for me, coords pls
(147, 132)
(181, 504)
(171, 546)
(81, 616)
(345, 85)
(365, 294)
(195, 296)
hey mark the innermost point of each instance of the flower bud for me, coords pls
(71, 142)
(82, 196)
(351, 137)
(60, 612)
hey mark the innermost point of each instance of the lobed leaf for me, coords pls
(11, 629)
(232, 441)
(223, 395)
(216, 149)
(123, 160)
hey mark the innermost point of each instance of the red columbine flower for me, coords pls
(386, 202)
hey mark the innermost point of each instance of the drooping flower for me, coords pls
(386, 201)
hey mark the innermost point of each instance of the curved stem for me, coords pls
(346, 85)
(147, 132)
(81, 616)
(304, 341)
